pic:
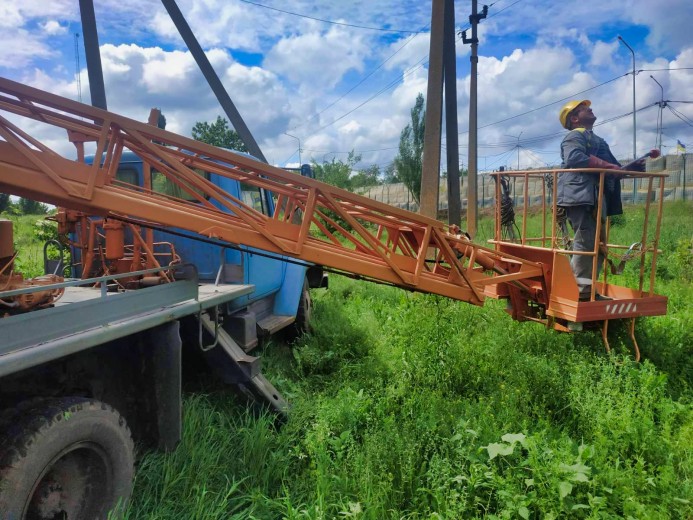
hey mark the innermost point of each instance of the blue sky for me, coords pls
(338, 87)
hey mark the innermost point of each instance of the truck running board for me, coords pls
(274, 323)
(236, 367)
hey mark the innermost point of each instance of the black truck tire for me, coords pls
(305, 308)
(303, 314)
(69, 458)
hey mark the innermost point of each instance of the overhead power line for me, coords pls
(384, 89)
(501, 10)
(358, 151)
(330, 21)
(681, 116)
(550, 104)
(390, 85)
(411, 38)
(423, 61)
(513, 144)
(523, 142)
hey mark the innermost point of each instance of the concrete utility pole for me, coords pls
(452, 151)
(659, 116)
(442, 69)
(517, 146)
(299, 148)
(472, 209)
(91, 51)
(78, 69)
(434, 108)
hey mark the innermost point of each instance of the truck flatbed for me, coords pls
(86, 316)
(208, 296)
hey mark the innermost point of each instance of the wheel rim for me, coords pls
(73, 485)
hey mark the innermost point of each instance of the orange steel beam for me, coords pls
(359, 235)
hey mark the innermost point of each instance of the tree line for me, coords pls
(21, 206)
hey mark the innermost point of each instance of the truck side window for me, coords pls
(128, 175)
(164, 185)
(254, 197)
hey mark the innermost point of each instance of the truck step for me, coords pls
(235, 366)
(274, 323)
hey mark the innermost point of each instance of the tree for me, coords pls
(31, 207)
(408, 162)
(367, 177)
(390, 174)
(337, 173)
(5, 202)
(218, 134)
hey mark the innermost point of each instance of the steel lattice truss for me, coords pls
(314, 222)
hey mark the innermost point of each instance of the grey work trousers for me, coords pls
(583, 220)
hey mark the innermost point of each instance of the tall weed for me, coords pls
(409, 406)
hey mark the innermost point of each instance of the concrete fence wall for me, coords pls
(678, 186)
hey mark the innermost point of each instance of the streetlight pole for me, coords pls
(635, 153)
(299, 147)
(661, 107)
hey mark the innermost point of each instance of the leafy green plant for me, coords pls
(682, 259)
(414, 406)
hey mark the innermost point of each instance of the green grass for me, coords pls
(414, 406)
(28, 241)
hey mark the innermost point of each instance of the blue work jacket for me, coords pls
(582, 189)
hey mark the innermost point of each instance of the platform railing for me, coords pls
(552, 238)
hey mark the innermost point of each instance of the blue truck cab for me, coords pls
(279, 297)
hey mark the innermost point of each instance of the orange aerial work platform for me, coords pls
(561, 308)
(313, 222)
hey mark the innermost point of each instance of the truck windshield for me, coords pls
(253, 196)
(127, 175)
(164, 185)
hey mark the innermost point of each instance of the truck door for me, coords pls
(205, 256)
(267, 274)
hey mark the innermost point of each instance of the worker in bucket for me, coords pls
(578, 192)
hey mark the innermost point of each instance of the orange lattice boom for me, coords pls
(356, 235)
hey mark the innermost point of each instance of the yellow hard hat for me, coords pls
(568, 108)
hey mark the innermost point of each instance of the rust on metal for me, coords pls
(312, 221)
(353, 234)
